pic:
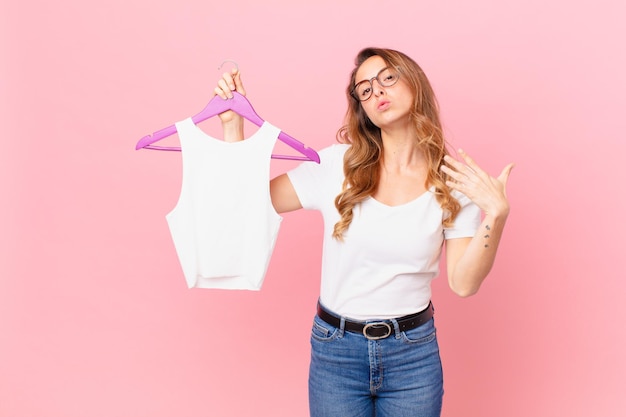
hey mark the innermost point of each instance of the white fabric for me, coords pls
(389, 256)
(224, 226)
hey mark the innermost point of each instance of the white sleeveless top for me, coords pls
(224, 226)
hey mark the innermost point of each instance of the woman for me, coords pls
(390, 196)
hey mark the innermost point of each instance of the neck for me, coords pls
(400, 149)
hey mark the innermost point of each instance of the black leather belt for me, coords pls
(375, 330)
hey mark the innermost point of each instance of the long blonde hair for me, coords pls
(362, 160)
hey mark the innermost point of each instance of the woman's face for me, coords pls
(387, 106)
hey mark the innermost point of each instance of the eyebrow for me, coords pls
(369, 79)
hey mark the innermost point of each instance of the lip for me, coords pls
(383, 105)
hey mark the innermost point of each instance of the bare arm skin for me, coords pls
(469, 260)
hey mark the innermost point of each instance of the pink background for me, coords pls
(95, 317)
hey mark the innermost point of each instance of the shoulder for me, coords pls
(331, 158)
(330, 165)
(333, 152)
(469, 211)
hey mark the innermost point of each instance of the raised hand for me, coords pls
(487, 192)
(232, 123)
(230, 81)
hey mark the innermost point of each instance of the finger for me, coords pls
(453, 163)
(458, 165)
(229, 79)
(220, 92)
(460, 172)
(229, 82)
(451, 172)
(458, 186)
(471, 163)
(238, 83)
(223, 86)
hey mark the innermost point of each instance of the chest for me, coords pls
(395, 233)
(395, 189)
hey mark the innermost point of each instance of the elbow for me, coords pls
(466, 283)
(464, 290)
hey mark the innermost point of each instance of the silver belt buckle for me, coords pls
(376, 325)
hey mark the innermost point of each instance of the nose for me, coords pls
(377, 89)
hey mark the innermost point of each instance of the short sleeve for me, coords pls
(316, 183)
(467, 220)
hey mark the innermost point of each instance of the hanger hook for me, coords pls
(229, 60)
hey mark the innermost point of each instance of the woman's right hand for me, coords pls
(230, 81)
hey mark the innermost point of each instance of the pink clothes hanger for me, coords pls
(240, 105)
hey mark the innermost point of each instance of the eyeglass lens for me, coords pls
(385, 77)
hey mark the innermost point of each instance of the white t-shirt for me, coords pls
(224, 226)
(389, 256)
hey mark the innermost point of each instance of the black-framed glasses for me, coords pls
(386, 77)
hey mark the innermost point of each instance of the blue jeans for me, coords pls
(351, 376)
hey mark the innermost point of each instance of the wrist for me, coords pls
(498, 214)
(233, 130)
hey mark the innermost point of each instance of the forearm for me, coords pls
(233, 130)
(473, 265)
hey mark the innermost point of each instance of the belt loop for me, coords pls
(342, 326)
(396, 328)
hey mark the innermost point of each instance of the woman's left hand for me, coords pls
(485, 191)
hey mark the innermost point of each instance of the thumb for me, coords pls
(504, 175)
